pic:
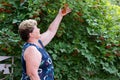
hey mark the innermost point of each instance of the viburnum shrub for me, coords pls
(86, 46)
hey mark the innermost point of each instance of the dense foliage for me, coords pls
(86, 46)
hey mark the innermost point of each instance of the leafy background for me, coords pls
(86, 46)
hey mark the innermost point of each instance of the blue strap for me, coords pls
(41, 43)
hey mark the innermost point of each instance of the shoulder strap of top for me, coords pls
(41, 43)
(26, 45)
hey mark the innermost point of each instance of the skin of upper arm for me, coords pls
(46, 37)
(33, 58)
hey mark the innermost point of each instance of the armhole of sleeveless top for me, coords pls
(39, 49)
(27, 45)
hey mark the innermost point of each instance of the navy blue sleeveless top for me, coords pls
(46, 69)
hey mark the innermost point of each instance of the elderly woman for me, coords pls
(36, 62)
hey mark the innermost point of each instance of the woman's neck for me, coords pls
(33, 41)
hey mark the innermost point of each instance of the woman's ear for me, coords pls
(30, 34)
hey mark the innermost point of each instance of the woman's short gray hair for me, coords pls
(26, 27)
(27, 24)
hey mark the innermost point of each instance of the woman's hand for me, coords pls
(65, 10)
